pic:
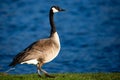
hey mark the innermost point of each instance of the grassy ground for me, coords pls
(65, 76)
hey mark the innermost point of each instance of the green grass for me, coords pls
(64, 76)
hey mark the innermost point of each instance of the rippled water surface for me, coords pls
(89, 31)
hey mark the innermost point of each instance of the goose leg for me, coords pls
(39, 65)
(39, 73)
(46, 74)
(38, 70)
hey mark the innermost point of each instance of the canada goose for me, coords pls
(41, 51)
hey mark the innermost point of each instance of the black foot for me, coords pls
(47, 75)
(39, 75)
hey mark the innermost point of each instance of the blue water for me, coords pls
(89, 31)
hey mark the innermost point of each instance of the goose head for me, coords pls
(55, 9)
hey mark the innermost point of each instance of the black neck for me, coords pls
(53, 28)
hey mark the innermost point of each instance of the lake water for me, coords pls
(89, 31)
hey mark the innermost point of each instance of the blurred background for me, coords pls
(89, 31)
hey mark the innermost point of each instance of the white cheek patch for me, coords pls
(54, 10)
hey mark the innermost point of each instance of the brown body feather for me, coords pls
(40, 50)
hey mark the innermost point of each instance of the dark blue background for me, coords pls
(89, 31)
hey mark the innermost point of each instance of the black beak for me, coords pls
(62, 9)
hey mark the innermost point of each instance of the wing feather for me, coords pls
(36, 50)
